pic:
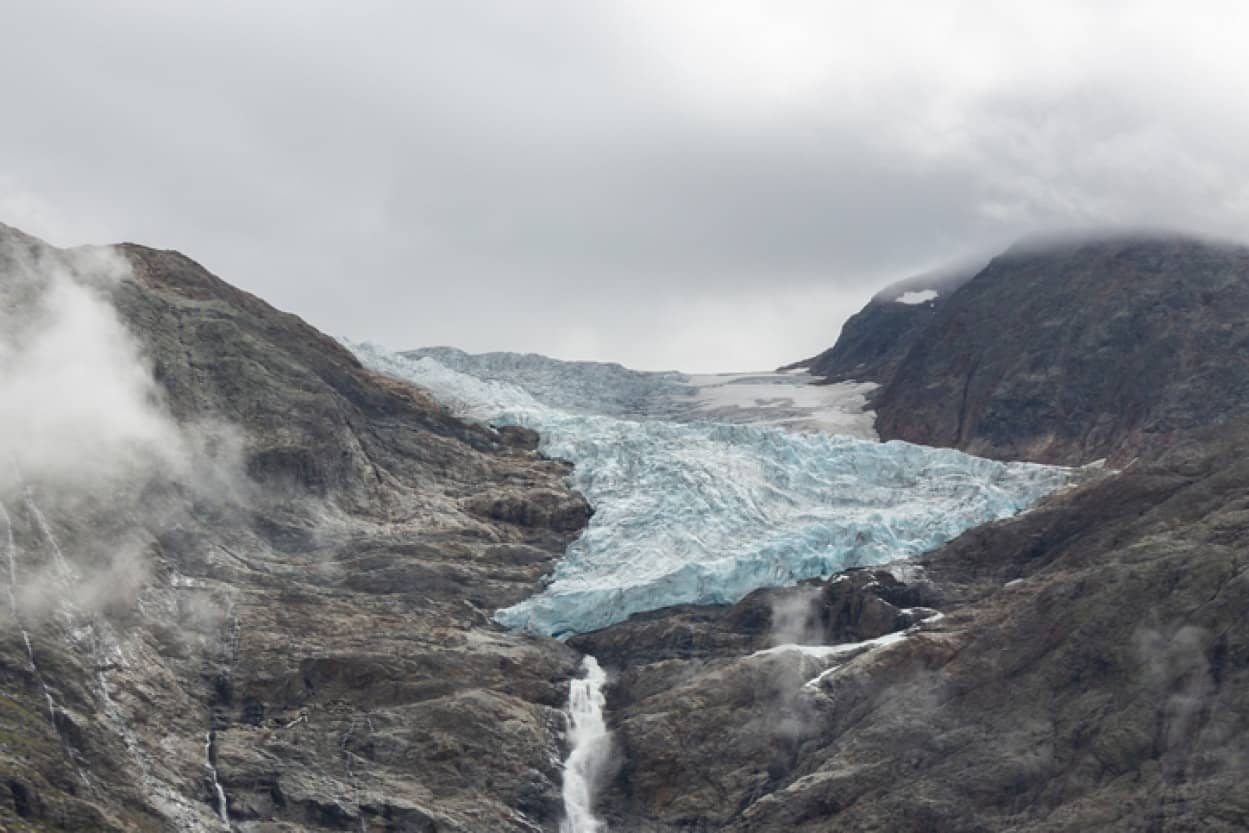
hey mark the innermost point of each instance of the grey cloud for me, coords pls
(641, 183)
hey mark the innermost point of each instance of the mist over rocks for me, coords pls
(78, 404)
(305, 630)
(85, 429)
(266, 605)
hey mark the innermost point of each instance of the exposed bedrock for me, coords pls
(1062, 351)
(281, 613)
(310, 630)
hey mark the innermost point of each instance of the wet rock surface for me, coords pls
(319, 632)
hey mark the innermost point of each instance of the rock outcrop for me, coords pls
(875, 340)
(306, 644)
(1063, 351)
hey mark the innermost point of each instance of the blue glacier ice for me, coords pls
(602, 388)
(706, 512)
(773, 398)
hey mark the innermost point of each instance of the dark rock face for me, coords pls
(1090, 672)
(305, 644)
(877, 338)
(1063, 352)
(320, 634)
(1089, 350)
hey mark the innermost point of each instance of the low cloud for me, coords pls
(698, 185)
(83, 433)
(78, 404)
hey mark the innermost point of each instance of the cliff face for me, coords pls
(1067, 352)
(302, 640)
(877, 338)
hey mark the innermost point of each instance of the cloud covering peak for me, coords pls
(705, 185)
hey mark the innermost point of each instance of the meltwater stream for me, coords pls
(589, 747)
(690, 508)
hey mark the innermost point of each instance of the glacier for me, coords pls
(788, 399)
(694, 510)
(585, 387)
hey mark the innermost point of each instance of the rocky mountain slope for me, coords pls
(877, 338)
(1087, 670)
(1065, 350)
(249, 581)
(301, 644)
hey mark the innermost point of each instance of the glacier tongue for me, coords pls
(706, 512)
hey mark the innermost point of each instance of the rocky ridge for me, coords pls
(875, 340)
(310, 649)
(305, 644)
(1063, 350)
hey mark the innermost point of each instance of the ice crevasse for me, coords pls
(705, 512)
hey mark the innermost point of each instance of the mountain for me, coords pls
(1090, 672)
(876, 339)
(1064, 350)
(1082, 666)
(254, 582)
(240, 645)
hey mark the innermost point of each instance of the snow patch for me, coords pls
(847, 651)
(790, 400)
(921, 296)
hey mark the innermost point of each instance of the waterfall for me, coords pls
(10, 550)
(589, 748)
(218, 792)
(64, 571)
(97, 638)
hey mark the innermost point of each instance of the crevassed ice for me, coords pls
(791, 400)
(587, 387)
(707, 512)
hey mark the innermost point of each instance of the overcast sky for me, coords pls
(701, 185)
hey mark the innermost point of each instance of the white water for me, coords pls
(222, 809)
(589, 750)
(691, 510)
(843, 653)
(105, 652)
(64, 572)
(10, 550)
